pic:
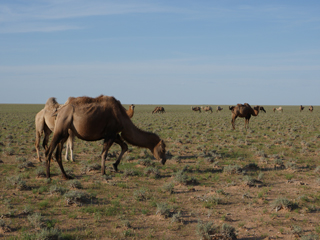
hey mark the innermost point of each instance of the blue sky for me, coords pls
(161, 52)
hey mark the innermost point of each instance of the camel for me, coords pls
(311, 108)
(280, 109)
(274, 109)
(301, 108)
(196, 109)
(93, 119)
(207, 108)
(244, 111)
(130, 111)
(219, 109)
(45, 122)
(158, 110)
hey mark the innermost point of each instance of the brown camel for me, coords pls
(130, 111)
(158, 110)
(244, 111)
(301, 108)
(196, 109)
(274, 109)
(207, 108)
(93, 119)
(311, 108)
(219, 109)
(45, 122)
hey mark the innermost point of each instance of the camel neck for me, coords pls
(140, 138)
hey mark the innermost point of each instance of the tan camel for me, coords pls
(301, 108)
(130, 111)
(219, 109)
(93, 119)
(311, 108)
(244, 111)
(196, 109)
(45, 122)
(279, 109)
(207, 108)
(158, 110)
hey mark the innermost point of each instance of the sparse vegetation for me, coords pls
(263, 179)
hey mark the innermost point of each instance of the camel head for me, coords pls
(159, 152)
(262, 109)
(132, 106)
(231, 108)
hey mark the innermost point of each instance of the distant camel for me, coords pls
(45, 122)
(207, 108)
(196, 109)
(244, 111)
(301, 108)
(130, 111)
(93, 119)
(274, 109)
(280, 109)
(311, 108)
(158, 110)
(219, 109)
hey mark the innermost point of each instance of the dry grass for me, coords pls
(261, 182)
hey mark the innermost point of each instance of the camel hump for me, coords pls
(52, 104)
(70, 99)
(89, 100)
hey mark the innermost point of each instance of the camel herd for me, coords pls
(280, 109)
(104, 118)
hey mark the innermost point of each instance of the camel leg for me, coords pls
(106, 146)
(233, 120)
(49, 151)
(124, 148)
(70, 146)
(37, 144)
(59, 158)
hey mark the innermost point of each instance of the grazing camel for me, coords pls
(311, 108)
(158, 110)
(130, 111)
(245, 111)
(280, 109)
(301, 108)
(45, 122)
(93, 119)
(219, 109)
(196, 109)
(274, 109)
(207, 108)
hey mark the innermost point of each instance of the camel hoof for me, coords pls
(115, 167)
(66, 177)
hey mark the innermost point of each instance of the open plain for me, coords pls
(259, 183)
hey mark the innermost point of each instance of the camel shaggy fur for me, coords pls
(244, 111)
(93, 119)
(279, 109)
(219, 109)
(301, 108)
(158, 110)
(207, 108)
(311, 108)
(45, 122)
(196, 109)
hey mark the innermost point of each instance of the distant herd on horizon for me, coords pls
(104, 118)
